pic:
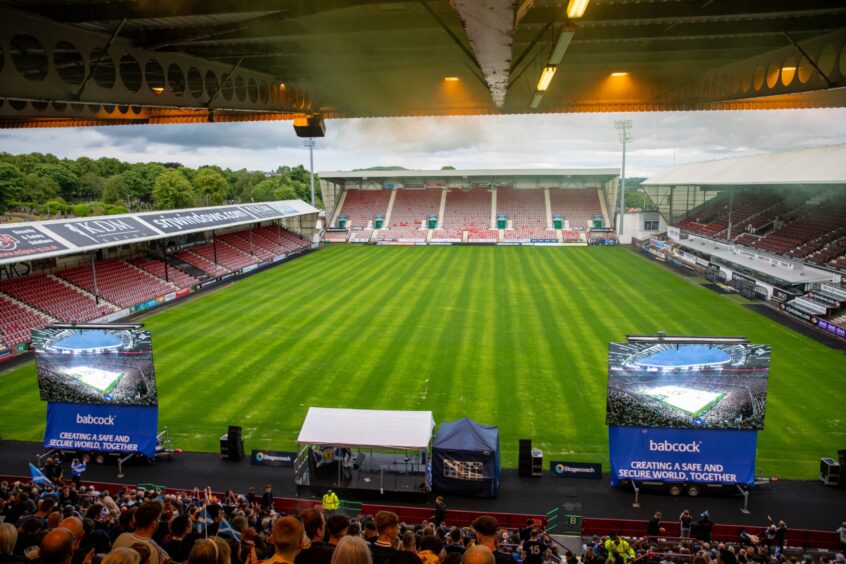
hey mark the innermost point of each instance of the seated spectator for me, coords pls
(8, 538)
(213, 550)
(56, 547)
(351, 549)
(121, 556)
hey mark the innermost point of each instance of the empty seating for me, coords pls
(526, 210)
(16, 321)
(241, 240)
(118, 282)
(361, 206)
(468, 209)
(199, 260)
(577, 205)
(410, 213)
(157, 268)
(55, 298)
(279, 241)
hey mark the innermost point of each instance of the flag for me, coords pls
(37, 477)
(203, 520)
(226, 529)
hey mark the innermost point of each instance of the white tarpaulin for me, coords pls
(372, 428)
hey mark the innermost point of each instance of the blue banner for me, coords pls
(682, 455)
(107, 428)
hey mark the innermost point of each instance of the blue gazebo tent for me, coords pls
(465, 459)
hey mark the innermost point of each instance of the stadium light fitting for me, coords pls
(788, 69)
(451, 79)
(157, 90)
(546, 77)
(619, 74)
(576, 8)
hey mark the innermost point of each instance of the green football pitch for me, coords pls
(516, 337)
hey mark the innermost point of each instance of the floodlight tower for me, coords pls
(310, 142)
(623, 127)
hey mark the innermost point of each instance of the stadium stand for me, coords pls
(118, 282)
(56, 298)
(16, 321)
(278, 241)
(361, 206)
(468, 210)
(409, 214)
(578, 206)
(526, 210)
(197, 257)
(241, 241)
(157, 268)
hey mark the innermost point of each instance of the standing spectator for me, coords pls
(479, 554)
(654, 528)
(618, 547)
(330, 502)
(430, 550)
(337, 527)
(455, 545)
(534, 549)
(318, 552)
(385, 546)
(8, 538)
(440, 511)
(288, 539)
(267, 498)
(685, 524)
(704, 527)
(57, 547)
(842, 532)
(181, 540)
(146, 519)
(352, 550)
(77, 468)
(485, 527)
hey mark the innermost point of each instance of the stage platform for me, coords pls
(802, 504)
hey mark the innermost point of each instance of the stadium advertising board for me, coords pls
(95, 366)
(682, 455)
(583, 470)
(687, 386)
(178, 221)
(86, 233)
(278, 458)
(21, 242)
(105, 428)
(832, 328)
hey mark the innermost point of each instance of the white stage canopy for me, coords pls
(370, 428)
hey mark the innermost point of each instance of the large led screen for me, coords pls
(687, 386)
(102, 365)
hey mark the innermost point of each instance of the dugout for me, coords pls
(466, 459)
(361, 451)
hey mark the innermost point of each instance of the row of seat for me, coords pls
(470, 209)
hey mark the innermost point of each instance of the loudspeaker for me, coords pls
(309, 126)
(841, 456)
(232, 444)
(524, 461)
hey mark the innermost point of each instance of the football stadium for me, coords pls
(212, 363)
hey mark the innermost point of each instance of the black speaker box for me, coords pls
(524, 459)
(310, 126)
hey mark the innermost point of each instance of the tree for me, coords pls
(172, 191)
(447, 167)
(11, 184)
(264, 190)
(38, 189)
(90, 185)
(140, 178)
(210, 186)
(115, 190)
(66, 179)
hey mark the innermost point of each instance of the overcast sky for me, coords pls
(530, 141)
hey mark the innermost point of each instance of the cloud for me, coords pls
(524, 141)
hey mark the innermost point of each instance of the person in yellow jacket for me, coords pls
(330, 502)
(616, 545)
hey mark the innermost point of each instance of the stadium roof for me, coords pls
(371, 428)
(487, 173)
(34, 240)
(821, 165)
(90, 62)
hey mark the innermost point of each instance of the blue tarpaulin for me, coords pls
(466, 459)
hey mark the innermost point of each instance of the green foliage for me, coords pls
(172, 191)
(114, 210)
(11, 184)
(91, 185)
(115, 190)
(38, 189)
(66, 179)
(140, 178)
(210, 186)
(54, 207)
(81, 210)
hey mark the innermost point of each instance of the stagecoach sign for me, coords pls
(25, 241)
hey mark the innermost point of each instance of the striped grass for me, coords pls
(516, 337)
